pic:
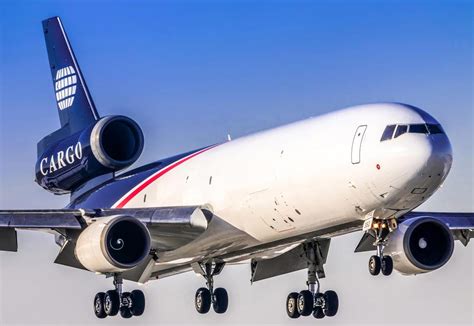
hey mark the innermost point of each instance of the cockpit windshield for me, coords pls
(388, 132)
(394, 131)
(401, 129)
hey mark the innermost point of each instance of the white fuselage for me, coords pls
(311, 174)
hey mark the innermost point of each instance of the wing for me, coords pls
(267, 260)
(11, 220)
(170, 227)
(460, 224)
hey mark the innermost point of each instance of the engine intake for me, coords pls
(420, 245)
(113, 244)
(116, 142)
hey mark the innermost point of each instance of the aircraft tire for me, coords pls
(202, 300)
(374, 265)
(125, 312)
(305, 303)
(387, 265)
(318, 313)
(221, 300)
(111, 303)
(331, 303)
(291, 305)
(99, 305)
(138, 302)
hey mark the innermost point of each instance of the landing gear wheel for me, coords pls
(126, 301)
(291, 305)
(305, 303)
(374, 265)
(331, 304)
(99, 305)
(221, 300)
(138, 302)
(318, 313)
(125, 312)
(111, 303)
(387, 265)
(202, 300)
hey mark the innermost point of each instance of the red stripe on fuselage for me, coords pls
(154, 177)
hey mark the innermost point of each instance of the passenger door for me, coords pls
(357, 144)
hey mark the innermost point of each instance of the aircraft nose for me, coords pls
(441, 155)
(430, 158)
(420, 161)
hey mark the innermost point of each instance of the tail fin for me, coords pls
(75, 106)
(85, 147)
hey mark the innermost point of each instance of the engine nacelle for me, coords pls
(113, 244)
(110, 144)
(420, 245)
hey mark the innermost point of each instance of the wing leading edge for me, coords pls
(170, 226)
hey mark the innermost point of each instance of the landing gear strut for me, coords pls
(312, 300)
(207, 296)
(112, 302)
(381, 262)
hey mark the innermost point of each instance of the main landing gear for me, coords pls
(312, 300)
(112, 302)
(380, 262)
(207, 296)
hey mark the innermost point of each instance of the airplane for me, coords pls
(274, 199)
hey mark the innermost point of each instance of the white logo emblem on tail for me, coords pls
(65, 86)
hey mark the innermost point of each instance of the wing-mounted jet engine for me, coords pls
(420, 245)
(113, 244)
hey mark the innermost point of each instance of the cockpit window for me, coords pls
(419, 128)
(401, 129)
(388, 132)
(435, 129)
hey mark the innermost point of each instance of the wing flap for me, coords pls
(45, 219)
(8, 239)
(290, 261)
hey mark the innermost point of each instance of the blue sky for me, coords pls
(190, 72)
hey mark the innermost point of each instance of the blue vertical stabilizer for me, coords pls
(74, 103)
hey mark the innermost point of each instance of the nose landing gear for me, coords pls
(380, 262)
(112, 302)
(312, 300)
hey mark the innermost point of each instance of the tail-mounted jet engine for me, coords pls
(108, 145)
(420, 245)
(113, 244)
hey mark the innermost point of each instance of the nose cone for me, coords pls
(414, 162)
(423, 155)
(422, 163)
(441, 155)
